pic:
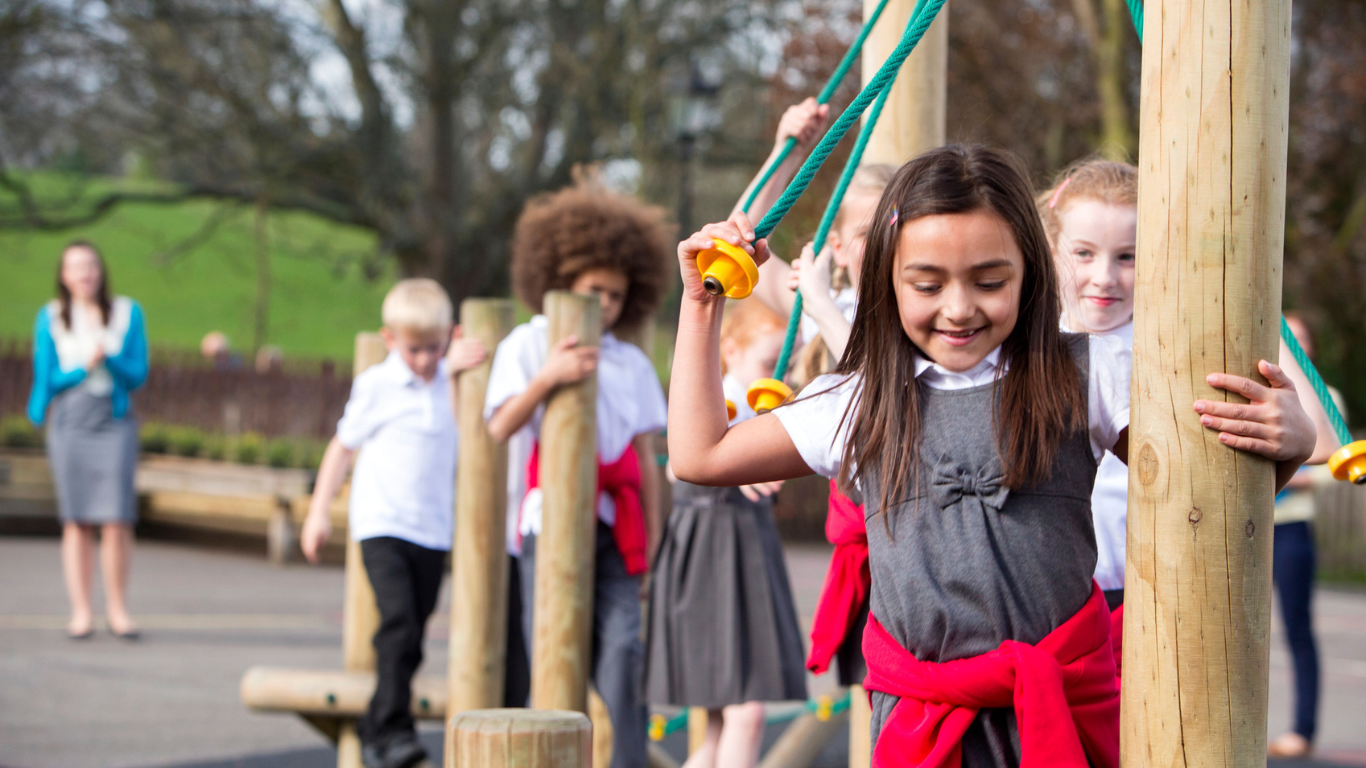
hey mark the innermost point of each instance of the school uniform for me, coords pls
(998, 581)
(630, 402)
(402, 496)
(722, 626)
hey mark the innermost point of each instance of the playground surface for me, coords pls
(171, 699)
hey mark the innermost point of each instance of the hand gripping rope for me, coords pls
(730, 271)
(1349, 461)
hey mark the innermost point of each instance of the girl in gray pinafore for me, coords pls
(972, 428)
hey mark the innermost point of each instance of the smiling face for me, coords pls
(957, 279)
(609, 286)
(1095, 256)
(81, 273)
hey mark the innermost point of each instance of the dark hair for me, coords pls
(1039, 400)
(561, 235)
(101, 295)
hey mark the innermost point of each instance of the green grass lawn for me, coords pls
(320, 294)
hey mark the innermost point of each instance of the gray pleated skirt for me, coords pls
(93, 457)
(722, 626)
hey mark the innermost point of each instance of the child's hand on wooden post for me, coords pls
(463, 354)
(737, 230)
(1272, 424)
(569, 363)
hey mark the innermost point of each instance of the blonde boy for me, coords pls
(401, 496)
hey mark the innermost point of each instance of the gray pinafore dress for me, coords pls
(968, 563)
(722, 626)
(93, 457)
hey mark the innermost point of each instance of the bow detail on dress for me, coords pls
(951, 482)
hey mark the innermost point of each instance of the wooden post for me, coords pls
(563, 612)
(360, 616)
(913, 120)
(1211, 217)
(698, 718)
(519, 738)
(479, 571)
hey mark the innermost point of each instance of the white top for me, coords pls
(813, 421)
(846, 301)
(630, 403)
(1110, 497)
(404, 482)
(76, 344)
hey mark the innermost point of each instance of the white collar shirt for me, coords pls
(404, 481)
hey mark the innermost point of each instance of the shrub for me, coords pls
(311, 456)
(155, 438)
(215, 447)
(18, 432)
(279, 453)
(248, 448)
(186, 441)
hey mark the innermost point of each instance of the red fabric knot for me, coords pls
(846, 581)
(620, 480)
(1063, 690)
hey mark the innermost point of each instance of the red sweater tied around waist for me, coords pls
(1064, 692)
(846, 582)
(621, 481)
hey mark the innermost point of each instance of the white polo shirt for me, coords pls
(630, 403)
(404, 482)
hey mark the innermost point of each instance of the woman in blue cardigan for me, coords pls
(89, 353)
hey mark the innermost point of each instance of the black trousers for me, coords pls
(1292, 569)
(406, 579)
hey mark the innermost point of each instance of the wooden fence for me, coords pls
(302, 398)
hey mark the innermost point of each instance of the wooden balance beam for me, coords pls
(326, 699)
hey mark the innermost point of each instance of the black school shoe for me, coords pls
(403, 751)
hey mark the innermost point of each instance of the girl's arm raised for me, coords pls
(701, 449)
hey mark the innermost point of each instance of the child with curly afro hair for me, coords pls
(594, 242)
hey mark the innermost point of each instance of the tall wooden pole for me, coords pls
(912, 122)
(360, 616)
(914, 117)
(563, 612)
(479, 571)
(1212, 159)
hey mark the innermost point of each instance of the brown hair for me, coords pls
(101, 295)
(1042, 396)
(560, 235)
(1090, 179)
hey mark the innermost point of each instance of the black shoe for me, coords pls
(403, 752)
(372, 756)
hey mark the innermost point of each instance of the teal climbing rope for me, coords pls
(914, 31)
(823, 97)
(1296, 351)
(827, 221)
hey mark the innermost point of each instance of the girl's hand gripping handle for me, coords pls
(721, 259)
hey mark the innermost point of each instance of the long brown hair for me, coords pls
(101, 295)
(1039, 400)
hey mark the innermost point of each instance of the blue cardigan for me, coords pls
(128, 368)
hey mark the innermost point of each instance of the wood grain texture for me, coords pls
(329, 693)
(479, 569)
(914, 117)
(360, 615)
(1211, 222)
(519, 738)
(860, 728)
(563, 612)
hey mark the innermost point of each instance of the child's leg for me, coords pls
(406, 579)
(618, 653)
(705, 754)
(742, 734)
(517, 675)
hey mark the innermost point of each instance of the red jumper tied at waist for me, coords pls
(846, 582)
(621, 481)
(1064, 692)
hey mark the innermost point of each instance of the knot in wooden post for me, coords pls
(525, 738)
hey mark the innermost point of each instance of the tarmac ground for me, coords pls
(171, 699)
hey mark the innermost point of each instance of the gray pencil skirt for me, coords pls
(722, 627)
(93, 457)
